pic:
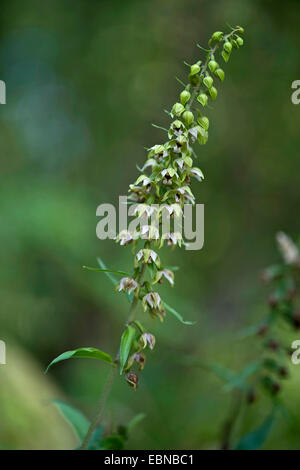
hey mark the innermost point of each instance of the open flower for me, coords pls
(165, 273)
(173, 238)
(137, 357)
(124, 237)
(159, 152)
(153, 303)
(172, 209)
(127, 284)
(149, 232)
(144, 209)
(147, 256)
(289, 250)
(197, 173)
(145, 180)
(152, 300)
(147, 339)
(169, 175)
(176, 128)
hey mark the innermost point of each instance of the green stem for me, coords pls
(110, 380)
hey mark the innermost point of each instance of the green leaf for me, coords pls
(91, 353)
(177, 315)
(256, 439)
(222, 372)
(107, 272)
(136, 420)
(74, 417)
(126, 342)
(122, 273)
(239, 380)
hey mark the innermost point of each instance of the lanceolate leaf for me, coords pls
(107, 272)
(239, 380)
(122, 273)
(256, 439)
(177, 315)
(136, 420)
(91, 353)
(74, 417)
(126, 342)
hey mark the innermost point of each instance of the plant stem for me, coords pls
(110, 380)
(231, 420)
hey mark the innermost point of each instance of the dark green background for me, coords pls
(85, 79)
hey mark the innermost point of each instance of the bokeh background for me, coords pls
(85, 79)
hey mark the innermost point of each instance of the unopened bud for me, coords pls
(184, 96)
(283, 372)
(188, 118)
(240, 41)
(132, 380)
(202, 98)
(220, 74)
(225, 56)
(213, 92)
(274, 345)
(212, 65)
(178, 109)
(208, 81)
(275, 388)
(262, 330)
(273, 300)
(228, 47)
(195, 69)
(240, 29)
(217, 36)
(251, 396)
(204, 122)
(296, 320)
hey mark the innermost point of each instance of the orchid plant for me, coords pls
(264, 376)
(163, 188)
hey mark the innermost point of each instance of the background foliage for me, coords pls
(84, 81)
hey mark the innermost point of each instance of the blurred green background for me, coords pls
(84, 81)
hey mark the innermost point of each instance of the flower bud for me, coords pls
(213, 92)
(220, 74)
(208, 81)
(251, 396)
(212, 65)
(204, 122)
(132, 380)
(217, 36)
(275, 388)
(273, 345)
(177, 109)
(240, 41)
(202, 98)
(283, 372)
(184, 96)
(228, 47)
(225, 56)
(262, 330)
(195, 69)
(240, 29)
(188, 118)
